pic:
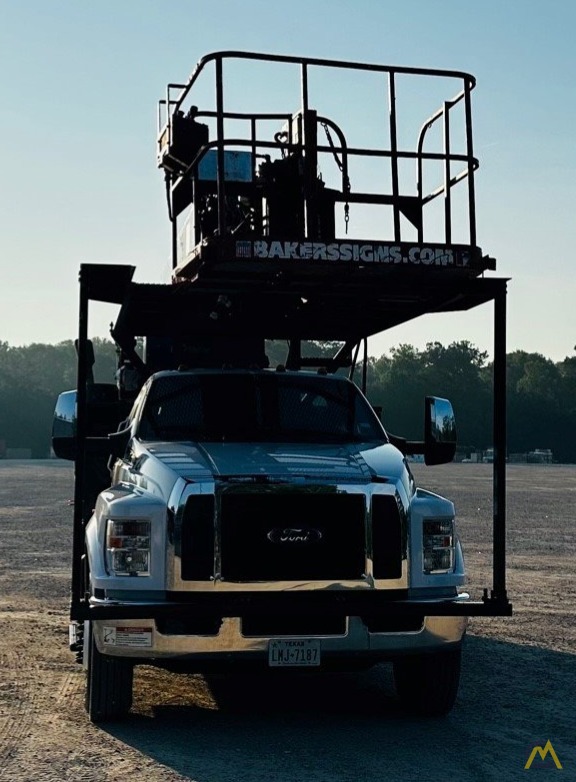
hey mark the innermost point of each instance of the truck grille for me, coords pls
(197, 538)
(389, 536)
(292, 536)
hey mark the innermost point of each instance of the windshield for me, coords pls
(266, 407)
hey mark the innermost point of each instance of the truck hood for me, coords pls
(355, 462)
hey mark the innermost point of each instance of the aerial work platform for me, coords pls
(313, 217)
(304, 215)
(287, 189)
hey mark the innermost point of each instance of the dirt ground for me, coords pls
(518, 688)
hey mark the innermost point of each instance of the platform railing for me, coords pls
(408, 202)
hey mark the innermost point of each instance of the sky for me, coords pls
(78, 112)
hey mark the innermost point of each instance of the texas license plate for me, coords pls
(284, 653)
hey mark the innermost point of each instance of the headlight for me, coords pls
(128, 548)
(438, 545)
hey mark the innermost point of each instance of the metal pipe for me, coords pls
(239, 55)
(360, 151)
(173, 231)
(221, 196)
(499, 439)
(394, 153)
(447, 193)
(360, 602)
(310, 160)
(420, 184)
(471, 167)
(365, 366)
(80, 461)
(254, 147)
(354, 360)
(304, 87)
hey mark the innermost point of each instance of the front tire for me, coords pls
(427, 684)
(108, 685)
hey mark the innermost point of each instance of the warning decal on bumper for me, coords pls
(128, 636)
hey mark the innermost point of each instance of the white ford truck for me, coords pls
(230, 515)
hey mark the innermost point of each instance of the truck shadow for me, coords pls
(350, 726)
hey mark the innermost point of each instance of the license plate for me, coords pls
(283, 653)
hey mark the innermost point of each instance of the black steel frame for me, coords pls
(112, 284)
(358, 302)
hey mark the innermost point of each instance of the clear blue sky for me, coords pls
(78, 181)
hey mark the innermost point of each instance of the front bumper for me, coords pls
(141, 639)
(328, 602)
(379, 630)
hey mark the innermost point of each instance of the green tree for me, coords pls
(541, 394)
(541, 411)
(398, 385)
(31, 377)
(460, 373)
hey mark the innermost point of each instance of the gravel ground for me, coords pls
(518, 685)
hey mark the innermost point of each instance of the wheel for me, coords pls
(427, 684)
(108, 684)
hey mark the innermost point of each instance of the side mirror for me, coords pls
(64, 426)
(104, 412)
(439, 431)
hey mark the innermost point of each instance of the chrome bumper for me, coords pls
(140, 639)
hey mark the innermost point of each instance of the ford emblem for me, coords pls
(294, 536)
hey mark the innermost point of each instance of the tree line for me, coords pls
(541, 393)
